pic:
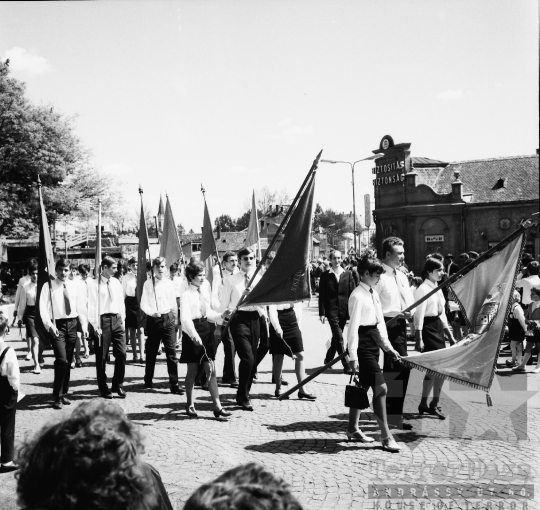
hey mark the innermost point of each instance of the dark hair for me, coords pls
(34, 267)
(473, 255)
(173, 268)
(464, 255)
(417, 281)
(132, 260)
(31, 263)
(107, 261)
(62, 263)
(536, 290)
(436, 255)
(371, 265)
(533, 267)
(84, 268)
(245, 251)
(389, 243)
(4, 321)
(158, 261)
(193, 269)
(90, 460)
(430, 265)
(353, 263)
(227, 255)
(526, 258)
(250, 486)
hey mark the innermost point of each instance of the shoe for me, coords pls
(78, 363)
(389, 445)
(234, 385)
(65, 401)
(222, 414)
(359, 437)
(120, 392)
(433, 410)
(7, 468)
(58, 404)
(277, 393)
(255, 377)
(107, 394)
(148, 385)
(246, 406)
(510, 364)
(307, 396)
(519, 368)
(141, 359)
(72, 364)
(177, 390)
(37, 370)
(86, 355)
(41, 361)
(536, 370)
(190, 411)
(135, 359)
(28, 357)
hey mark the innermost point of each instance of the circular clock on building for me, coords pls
(504, 224)
(386, 142)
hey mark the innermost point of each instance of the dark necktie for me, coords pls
(374, 306)
(246, 281)
(401, 298)
(66, 301)
(202, 303)
(109, 290)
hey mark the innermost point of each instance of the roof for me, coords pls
(506, 179)
(161, 209)
(427, 162)
(228, 241)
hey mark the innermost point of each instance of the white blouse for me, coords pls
(431, 307)
(129, 285)
(27, 297)
(195, 305)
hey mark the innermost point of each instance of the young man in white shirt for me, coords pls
(60, 319)
(395, 295)
(158, 302)
(106, 313)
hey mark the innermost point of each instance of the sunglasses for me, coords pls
(248, 258)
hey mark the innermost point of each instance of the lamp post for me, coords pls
(65, 243)
(333, 162)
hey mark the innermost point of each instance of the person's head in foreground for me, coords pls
(246, 487)
(91, 460)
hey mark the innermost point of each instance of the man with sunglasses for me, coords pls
(245, 325)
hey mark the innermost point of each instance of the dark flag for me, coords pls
(141, 254)
(170, 243)
(46, 271)
(287, 278)
(208, 248)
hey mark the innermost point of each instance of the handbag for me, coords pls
(356, 395)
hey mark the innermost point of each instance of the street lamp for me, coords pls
(373, 156)
(65, 243)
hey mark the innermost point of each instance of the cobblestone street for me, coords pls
(487, 452)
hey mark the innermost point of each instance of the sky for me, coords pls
(237, 95)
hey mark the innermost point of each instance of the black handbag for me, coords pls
(356, 395)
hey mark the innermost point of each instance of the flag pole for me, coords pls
(530, 222)
(280, 229)
(98, 269)
(203, 191)
(149, 256)
(49, 282)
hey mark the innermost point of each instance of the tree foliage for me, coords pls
(225, 223)
(330, 220)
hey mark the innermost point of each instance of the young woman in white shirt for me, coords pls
(26, 313)
(198, 338)
(432, 330)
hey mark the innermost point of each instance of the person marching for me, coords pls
(133, 311)
(287, 340)
(26, 313)
(367, 334)
(82, 281)
(517, 326)
(244, 326)
(197, 337)
(158, 302)
(431, 328)
(60, 319)
(22, 282)
(106, 313)
(395, 295)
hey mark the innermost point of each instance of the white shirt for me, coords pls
(59, 309)
(129, 285)
(10, 367)
(217, 287)
(106, 304)
(431, 307)
(274, 318)
(365, 310)
(191, 308)
(180, 285)
(163, 293)
(233, 287)
(527, 284)
(22, 281)
(27, 296)
(518, 313)
(394, 292)
(337, 272)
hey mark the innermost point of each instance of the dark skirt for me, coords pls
(192, 353)
(29, 318)
(368, 355)
(132, 312)
(432, 334)
(291, 343)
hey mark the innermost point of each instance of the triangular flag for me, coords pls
(141, 255)
(208, 246)
(46, 271)
(485, 296)
(170, 247)
(287, 278)
(97, 261)
(252, 240)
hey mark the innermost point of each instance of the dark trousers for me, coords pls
(8, 406)
(161, 329)
(262, 349)
(245, 331)
(112, 332)
(395, 374)
(337, 324)
(229, 368)
(63, 347)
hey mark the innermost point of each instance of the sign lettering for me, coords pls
(434, 239)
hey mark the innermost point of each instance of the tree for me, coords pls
(243, 221)
(225, 223)
(330, 220)
(181, 230)
(266, 198)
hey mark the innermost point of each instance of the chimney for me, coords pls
(218, 232)
(457, 187)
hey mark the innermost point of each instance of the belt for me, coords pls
(162, 315)
(65, 319)
(397, 322)
(109, 314)
(198, 321)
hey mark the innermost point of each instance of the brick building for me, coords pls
(436, 206)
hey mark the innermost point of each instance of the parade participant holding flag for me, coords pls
(431, 328)
(197, 337)
(158, 302)
(106, 313)
(60, 305)
(366, 335)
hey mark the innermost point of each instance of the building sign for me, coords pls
(434, 239)
(390, 173)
